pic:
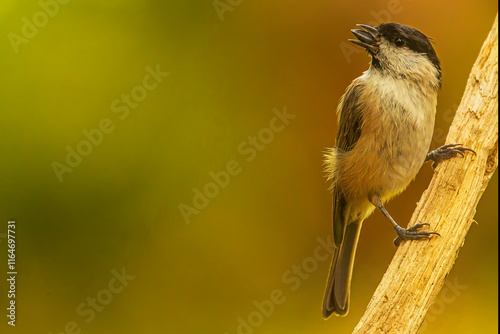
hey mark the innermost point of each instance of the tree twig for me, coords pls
(419, 269)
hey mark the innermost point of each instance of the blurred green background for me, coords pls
(119, 208)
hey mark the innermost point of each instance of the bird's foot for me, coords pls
(412, 233)
(446, 152)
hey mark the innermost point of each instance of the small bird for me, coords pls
(386, 122)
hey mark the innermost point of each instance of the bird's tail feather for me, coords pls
(337, 292)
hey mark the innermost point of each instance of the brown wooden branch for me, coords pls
(419, 268)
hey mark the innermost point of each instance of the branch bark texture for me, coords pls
(419, 268)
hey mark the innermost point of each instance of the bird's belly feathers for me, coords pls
(396, 136)
(403, 162)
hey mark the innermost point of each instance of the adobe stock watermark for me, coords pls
(88, 310)
(384, 15)
(30, 27)
(448, 295)
(293, 277)
(248, 150)
(222, 6)
(121, 107)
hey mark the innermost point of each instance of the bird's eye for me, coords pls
(399, 41)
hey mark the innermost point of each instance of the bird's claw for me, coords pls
(446, 152)
(412, 233)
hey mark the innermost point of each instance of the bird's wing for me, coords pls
(350, 118)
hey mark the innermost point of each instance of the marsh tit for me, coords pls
(386, 122)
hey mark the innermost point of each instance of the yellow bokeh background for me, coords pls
(119, 207)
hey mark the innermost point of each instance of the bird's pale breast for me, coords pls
(397, 131)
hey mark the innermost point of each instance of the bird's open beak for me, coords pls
(367, 38)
